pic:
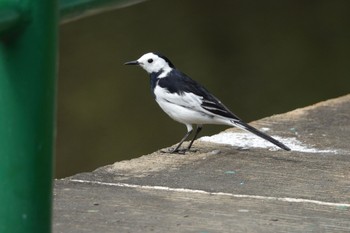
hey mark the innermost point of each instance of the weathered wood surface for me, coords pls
(220, 188)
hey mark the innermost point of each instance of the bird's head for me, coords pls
(153, 63)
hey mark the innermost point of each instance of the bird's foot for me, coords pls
(177, 151)
(174, 151)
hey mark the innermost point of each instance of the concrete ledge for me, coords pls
(224, 188)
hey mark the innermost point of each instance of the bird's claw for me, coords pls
(177, 151)
(174, 151)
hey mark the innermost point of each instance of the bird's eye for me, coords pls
(150, 60)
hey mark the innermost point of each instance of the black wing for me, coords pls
(178, 82)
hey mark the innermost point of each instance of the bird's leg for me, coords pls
(199, 128)
(177, 149)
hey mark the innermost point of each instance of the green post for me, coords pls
(28, 51)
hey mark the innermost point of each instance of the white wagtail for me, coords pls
(187, 102)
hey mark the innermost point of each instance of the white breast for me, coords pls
(185, 108)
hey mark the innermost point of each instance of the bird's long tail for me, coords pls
(245, 126)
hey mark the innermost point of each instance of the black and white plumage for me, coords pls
(187, 102)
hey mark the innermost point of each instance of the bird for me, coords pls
(186, 101)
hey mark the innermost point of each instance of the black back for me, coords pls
(179, 83)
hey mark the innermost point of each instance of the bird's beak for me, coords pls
(132, 63)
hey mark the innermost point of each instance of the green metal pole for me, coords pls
(28, 49)
(27, 107)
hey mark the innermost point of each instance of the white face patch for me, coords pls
(152, 63)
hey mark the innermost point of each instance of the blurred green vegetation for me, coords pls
(259, 57)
